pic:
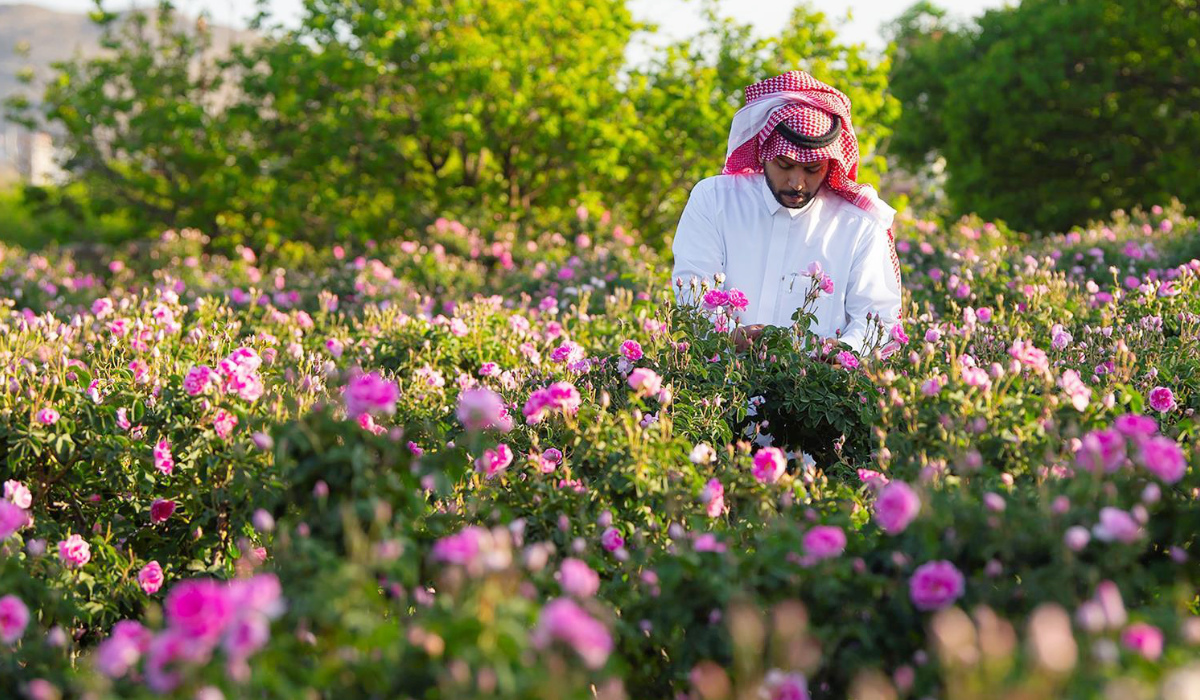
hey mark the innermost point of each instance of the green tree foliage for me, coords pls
(1050, 113)
(373, 118)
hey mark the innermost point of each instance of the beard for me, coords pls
(792, 199)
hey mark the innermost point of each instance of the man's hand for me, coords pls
(744, 336)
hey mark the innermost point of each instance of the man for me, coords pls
(787, 198)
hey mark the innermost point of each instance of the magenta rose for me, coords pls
(645, 382)
(12, 518)
(150, 578)
(1143, 639)
(632, 350)
(769, 465)
(199, 608)
(578, 579)
(565, 621)
(14, 617)
(713, 496)
(370, 393)
(1162, 400)
(74, 551)
(161, 510)
(896, 506)
(1163, 457)
(200, 379)
(824, 542)
(611, 540)
(1135, 425)
(935, 584)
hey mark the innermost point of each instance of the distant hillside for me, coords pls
(55, 36)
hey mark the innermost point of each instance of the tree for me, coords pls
(1050, 114)
(373, 117)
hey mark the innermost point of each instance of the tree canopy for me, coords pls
(1050, 114)
(371, 118)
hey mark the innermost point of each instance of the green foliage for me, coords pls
(1050, 114)
(367, 122)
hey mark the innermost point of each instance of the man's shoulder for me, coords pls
(852, 217)
(724, 183)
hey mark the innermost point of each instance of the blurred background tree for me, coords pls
(1048, 113)
(370, 118)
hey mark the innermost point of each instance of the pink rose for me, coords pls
(1163, 457)
(715, 298)
(370, 393)
(74, 552)
(568, 352)
(896, 506)
(1030, 356)
(578, 579)
(738, 300)
(1162, 400)
(199, 608)
(645, 382)
(150, 578)
(824, 542)
(550, 459)
(494, 461)
(461, 547)
(935, 584)
(12, 518)
(1135, 425)
(14, 617)
(769, 465)
(562, 620)
(611, 540)
(1143, 639)
(163, 461)
(632, 350)
(199, 380)
(1101, 450)
(47, 416)
(18, 494)
(246, 635)
(1075, 389)
(123, 648)
(223, 423)
(713, 496)
(847, 359)
(483, 409)
(161, 510)
(1116, 524)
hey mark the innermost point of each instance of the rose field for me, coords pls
(483, 462)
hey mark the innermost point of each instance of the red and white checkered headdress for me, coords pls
(798, 116)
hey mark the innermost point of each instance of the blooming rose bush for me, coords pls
(473, 464)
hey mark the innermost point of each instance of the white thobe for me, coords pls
(732, 224)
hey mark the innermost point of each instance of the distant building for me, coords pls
(32, 154)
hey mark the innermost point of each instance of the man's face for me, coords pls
(793, 183)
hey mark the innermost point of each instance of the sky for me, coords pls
(676, 18)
